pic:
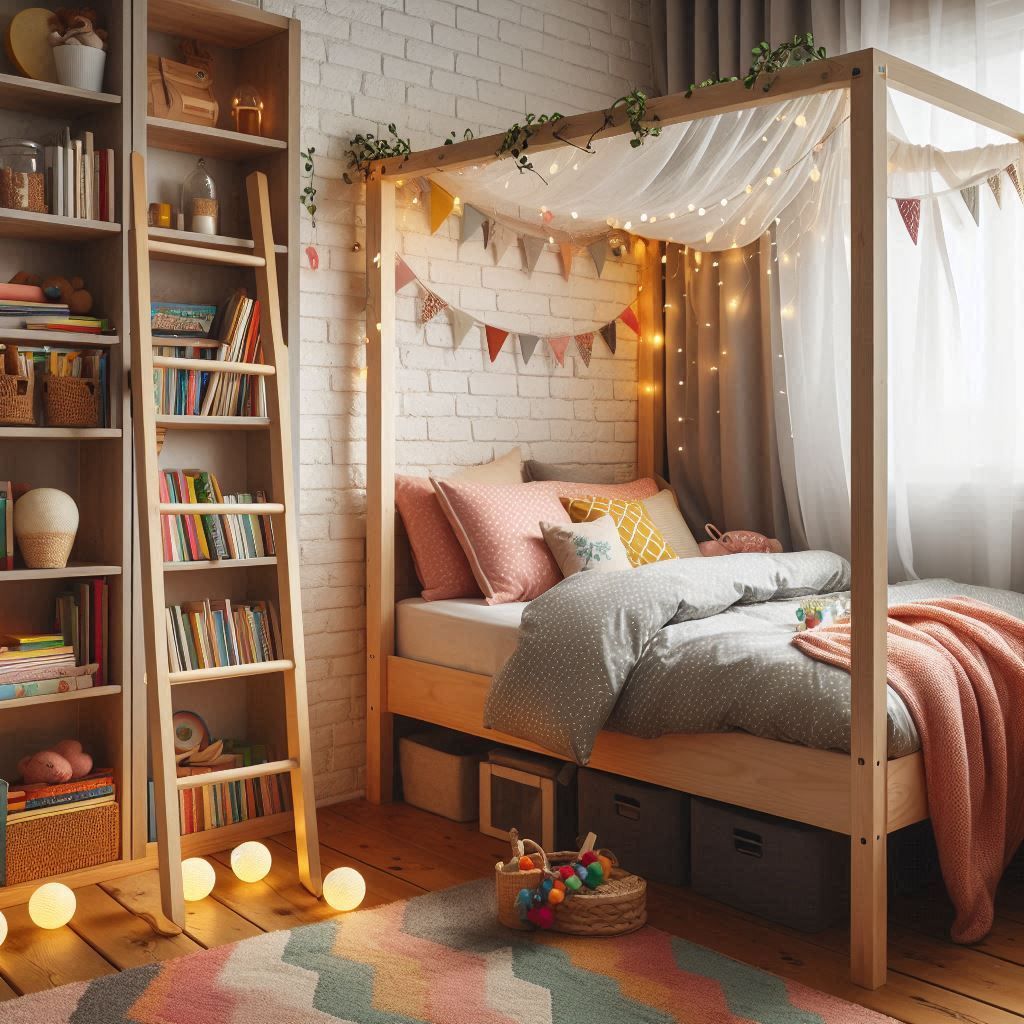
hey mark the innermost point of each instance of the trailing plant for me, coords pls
(308, 197)
(365, 149)
(635, 103)
(467, 135)
(517, 141)
(768, 61)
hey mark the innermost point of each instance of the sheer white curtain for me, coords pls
(956, 334)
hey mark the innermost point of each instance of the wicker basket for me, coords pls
(71, 401)
(56, 843)
(16, 400)
(616, 907)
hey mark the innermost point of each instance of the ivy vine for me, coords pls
(635, 103)
(768, 61)
(517, 141)
(365, 149)
(308, 197)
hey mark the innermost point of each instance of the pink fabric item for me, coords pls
(635, 490)
(958, 664)
(441, 564)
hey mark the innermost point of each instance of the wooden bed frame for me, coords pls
(862, 794)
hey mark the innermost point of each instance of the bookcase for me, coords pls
(96, 465)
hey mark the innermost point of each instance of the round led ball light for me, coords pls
(52, 905)
(251, 861)
(3, 928)
(344, 888)
(197, 878)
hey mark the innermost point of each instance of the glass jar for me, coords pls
(22, 181)
(199, 200)
(247, 110)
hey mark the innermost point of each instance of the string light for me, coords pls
(672, 215)
(574, 215)
(815, 174)
(749, 189)
(725, 202)
(800, 121)
(709, 236)
(788, 312)
(777, 172)
(643, 218)
(691, 207)
(553, 169)
(628, 225)
(701, 212)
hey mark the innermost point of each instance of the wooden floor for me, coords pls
(403, 852)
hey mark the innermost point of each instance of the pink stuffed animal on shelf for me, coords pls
(737, 542)
(64, 762)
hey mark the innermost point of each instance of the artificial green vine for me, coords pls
(635, 103)
(768, 61)
(365, 149)
(467, 135)
(517, 141)
(308, 197)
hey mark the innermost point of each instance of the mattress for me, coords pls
(462, 633)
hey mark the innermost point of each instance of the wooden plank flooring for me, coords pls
(403, 852)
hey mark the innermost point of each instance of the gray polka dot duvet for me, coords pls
(690, 646)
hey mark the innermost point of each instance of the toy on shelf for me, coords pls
(183, 91)
(64, 762)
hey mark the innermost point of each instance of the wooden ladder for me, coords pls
(291, 665)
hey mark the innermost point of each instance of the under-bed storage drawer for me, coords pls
(646, 827)
(788, 872)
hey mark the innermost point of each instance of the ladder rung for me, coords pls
(204, 675)
(263, 508)
(201, 254)
(252, 771)
(177, 363)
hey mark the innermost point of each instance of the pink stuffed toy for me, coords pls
(737, 542)
(66, 761)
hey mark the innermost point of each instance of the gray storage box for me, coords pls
(440, 773)
(646, 827)
(785, 871)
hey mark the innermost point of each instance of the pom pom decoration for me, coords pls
(565, 871)
(573, 884)
(606, 865)
(546, 885)
(556, 896)
(588, 858)
(542, 917)
(581, 872)
(595, 875)
(526, 863)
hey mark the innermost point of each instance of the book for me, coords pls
(83, 616)
(217, 633)
(45, 812)
(181, 319)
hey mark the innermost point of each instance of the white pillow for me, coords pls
(586, 547)
(505, 469)
(664, 513)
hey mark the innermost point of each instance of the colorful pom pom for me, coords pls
(525, 863)
(559, 885)
(565, 871)
(545, 886)
(581, 872)
(595, 875)
(556, 896)
(606, 865)
(588, 858)
(573, 884)
(525, 897)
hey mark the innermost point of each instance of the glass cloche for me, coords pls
(199, 204)
(247, 110)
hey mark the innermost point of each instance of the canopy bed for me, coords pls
(867, 794)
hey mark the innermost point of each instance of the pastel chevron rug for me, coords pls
(441, 958)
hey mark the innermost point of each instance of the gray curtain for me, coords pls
(724, 392)
(696, 39)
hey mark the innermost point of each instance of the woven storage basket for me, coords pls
(62, 842)
(16, 400)
(71, 401)
(614, 908)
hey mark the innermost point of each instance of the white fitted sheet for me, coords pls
(462, 633)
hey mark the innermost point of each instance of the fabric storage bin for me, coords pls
(531, 793)
(68, 841)
(781, 870)
(441, 773)
(647, 826)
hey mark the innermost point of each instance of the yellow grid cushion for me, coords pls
(642, 539)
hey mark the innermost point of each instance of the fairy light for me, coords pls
(553, 169)
(768, 180)
(551, 239)
(714, 263)
(657, 339)
(701, 211)
(709, 236)
(654, 220)
(725, 202)
(743, 222)
(576, 166)
(800, 121)
(776, 172)
(664, 258)
(815, 174)
(643, 218)
(672, 215)
(574, 215)
(749, 189)
(691, 207)
(788, 312)
(628, 225)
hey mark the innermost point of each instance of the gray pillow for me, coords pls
(573, 474)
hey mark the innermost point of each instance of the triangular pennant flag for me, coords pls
(1013, 172)
(598, 253)
(488, 224)
(441, 204)
(558, 347)
(996, 184)
(532, 248)
(910, 211)
(403, 274)
(566, 250)
(585, 346)
(432, 305)
(527, 343)
(462, 324)
(970, 197)
(495, 339)
(472, 221)
(501, 238)
(608, 333)
(628, 317)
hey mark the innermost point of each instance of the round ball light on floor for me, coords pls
(251, 861)
(3, 928)
(344, 888)
(52, 905)
(197, 879)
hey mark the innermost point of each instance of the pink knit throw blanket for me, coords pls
(958, 664)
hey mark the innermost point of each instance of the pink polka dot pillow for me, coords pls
(498, 528)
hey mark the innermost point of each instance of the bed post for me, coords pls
(868, 396)
(380, 482)
(648, 255)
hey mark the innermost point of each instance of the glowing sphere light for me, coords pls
(52, 905)
(3, 928)
(197, 878)
(251, 861)
(344, 888)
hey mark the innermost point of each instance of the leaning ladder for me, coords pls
(291, 666)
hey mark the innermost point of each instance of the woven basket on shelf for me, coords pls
(16, 400)
(56, 843)
(616, 907)
(71, 401)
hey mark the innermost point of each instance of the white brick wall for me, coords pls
(432, 66)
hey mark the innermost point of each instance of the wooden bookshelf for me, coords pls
(94, 465)
(260, 49)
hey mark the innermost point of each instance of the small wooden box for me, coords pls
(57, 843)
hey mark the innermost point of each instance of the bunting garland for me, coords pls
(403, 273)
(585, 346)
(970, 198)
(566, 251)
(472, 221)
(910, 211)
(608, 333)
(1013, 173)
(628, 317)
(995, 183)
(598, 253)
(558, 347)
(432, 305)
(495, 339)
(501, 238)
(441, 205)
(462, 324)
(532, 248)
(527, 345)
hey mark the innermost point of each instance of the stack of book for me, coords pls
(83, 615)
(35, 665)
(217, 633)
(201, 538)
(71, 324)
(20, 313)
(26, 802)
(217, 393)
(79, 177)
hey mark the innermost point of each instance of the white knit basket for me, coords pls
(45, 524)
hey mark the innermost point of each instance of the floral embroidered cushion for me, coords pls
(586, 547)
(642, 539)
